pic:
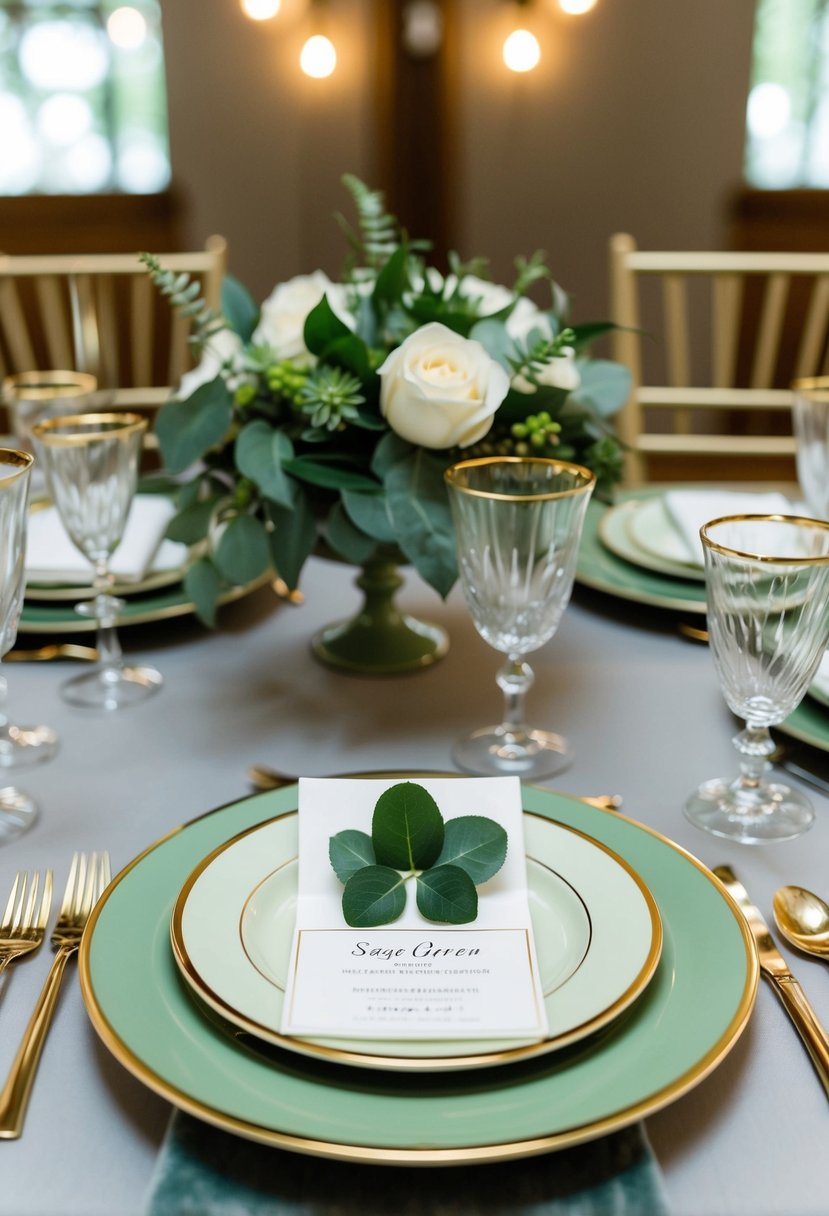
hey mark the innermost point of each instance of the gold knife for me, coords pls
(773, 966)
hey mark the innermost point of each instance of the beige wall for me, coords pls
(634, 120)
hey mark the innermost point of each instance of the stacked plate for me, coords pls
(184, 964)
(637, 550)
(151, 581)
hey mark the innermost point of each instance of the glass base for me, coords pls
(495, 751)
(18, 811)
(111, 687)
(21, 746)
(775, 812)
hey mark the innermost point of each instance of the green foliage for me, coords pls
(185, 296)
(409, 839)
(186, 430)
(377, 237)
(330, 397)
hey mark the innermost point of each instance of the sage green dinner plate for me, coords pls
(607, 571)
(684, 1023)
(159, 605)
(809, 723)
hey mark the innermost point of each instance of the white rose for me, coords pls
(440, 390)
(282, 322)
(224, 345)
(560, 372)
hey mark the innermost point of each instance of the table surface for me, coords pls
(640, 704)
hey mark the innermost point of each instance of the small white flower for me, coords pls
(440, 390)
(224, 345)
(560, 372)
(282, 322)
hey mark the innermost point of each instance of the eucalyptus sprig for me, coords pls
(185, 296)
(409, 839)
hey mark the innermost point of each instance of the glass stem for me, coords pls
(106, 613)
(755, 745)
(514, 679)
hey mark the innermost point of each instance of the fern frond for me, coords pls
(535, 359)
(379, 234)
(530, 270)
(185, 297)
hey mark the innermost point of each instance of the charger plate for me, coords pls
(627, 579)
(618, 533)
(809, 723)
(160, 605)
(597, 936)
(683, 1025)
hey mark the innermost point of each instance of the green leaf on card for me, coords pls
(476, 844)
(407, 827)
(447, 894)
(350, 851)
(375, 895)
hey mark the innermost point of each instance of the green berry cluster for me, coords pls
(537, 435)
(286, 380)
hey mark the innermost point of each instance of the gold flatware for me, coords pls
(692, 632)
(291, 596)
(264, 778)
(803, 919)
(88, 876)
(23, 926)
(54, 650)
(775, 969)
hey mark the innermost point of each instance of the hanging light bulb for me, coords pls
(521, 51)
(576, 7)
(318, 57)
(261, 10)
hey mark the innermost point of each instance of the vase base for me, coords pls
(373, 649)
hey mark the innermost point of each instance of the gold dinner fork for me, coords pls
(88, 876)
(23, 926)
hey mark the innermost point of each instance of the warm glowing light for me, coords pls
(521, 51)
(576, 7)
(127, 27)
(261, 10)
(318, 57)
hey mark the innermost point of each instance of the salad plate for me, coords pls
(596, 927)
(684, 1023)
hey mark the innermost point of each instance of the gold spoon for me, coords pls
(803, 919)
(264, 778)
(54, 650)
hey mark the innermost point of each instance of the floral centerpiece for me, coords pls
(331, 413)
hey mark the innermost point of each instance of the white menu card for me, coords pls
(413, 978)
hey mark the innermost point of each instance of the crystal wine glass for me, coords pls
(810, 419)
(17, 810)
(91, 463)
(767, 591)
(518, 523)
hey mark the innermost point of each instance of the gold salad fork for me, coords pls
(23, 926)
(88, 876)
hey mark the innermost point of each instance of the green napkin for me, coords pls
(203, 1171)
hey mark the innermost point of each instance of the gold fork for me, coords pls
(88, 876)
(23, 927)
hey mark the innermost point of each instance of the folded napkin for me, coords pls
(202, 1171)
(688, 510)
(51, 556)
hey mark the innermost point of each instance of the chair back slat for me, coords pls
(86, 338)
(55, 328)
(141, 329)
(712, 387)
(20, 354)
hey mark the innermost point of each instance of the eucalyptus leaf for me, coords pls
(495, 340)
(604, 387)
(407, 827)
(260, 453)
(187, 429)
(292, 537)
(239, 308)
(476, 844)
(370, 514)
(158, 483)
(202, 586)
(330, 471)
(375, 895)
(388, 452)
(447, 894)
(242, 552)
(419, 510)
(350, 851)
(192, 523)
(346, 539)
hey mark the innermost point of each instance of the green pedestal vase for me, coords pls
(380, 640)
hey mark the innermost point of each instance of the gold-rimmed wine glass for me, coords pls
(91, 463)
(810, 422)
(767, 596)
(518, 522)
(32, 396)
(17, 809)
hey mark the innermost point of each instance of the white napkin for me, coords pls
(688, 510)
(51, 556)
